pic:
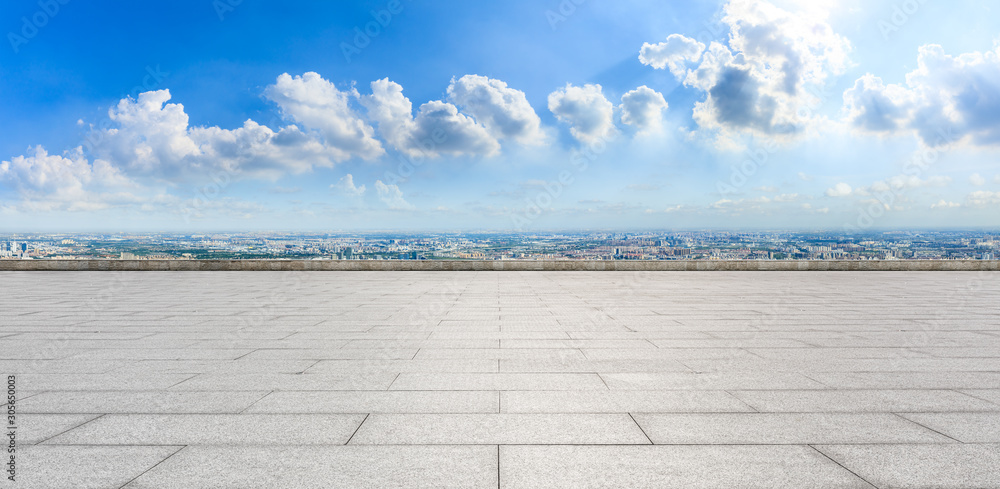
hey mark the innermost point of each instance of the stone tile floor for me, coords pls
(504, 379)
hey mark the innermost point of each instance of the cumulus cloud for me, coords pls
(589, 114)
(391, 196)
(643, 108)
(152, 138)
(872, 106)
(910, 181)
(674, 54)
(70, 182)
(839, 190)
(438, 128)
(944, 204)
(504, 112)
(316, 104)
(977, 180)
(984, 198)
(946, 99)
(347, 187)
(760, 81)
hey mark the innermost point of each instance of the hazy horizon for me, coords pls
(403, 116)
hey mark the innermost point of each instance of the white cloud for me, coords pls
(643, 108)
(977, 180)
(900, 183)
(70, 182)
(504, 112)
(946, 99)
(316, 104)
(585, 109)
(944, 204)
(983, 198)
(391, 196)
(152, 138)
(872, 106)
(674, 54)
(759, 81)
(904, 182)
(437, 129)
(839, 190)
(346, 185)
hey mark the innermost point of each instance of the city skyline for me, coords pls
(532, 116)
(687, 246)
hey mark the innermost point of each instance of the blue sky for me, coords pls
(516, 115)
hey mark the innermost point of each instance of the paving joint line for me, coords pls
(598, 374)
(171, 386)
(498, 466)
(928, 427)
(154, 466)
(249, 352)
(747, 404)
(356, 430)
(641, 429)
(261, 398)
(69, 429)
(843, 467)
(960, 392)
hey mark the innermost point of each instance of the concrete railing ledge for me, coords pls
(498, 265)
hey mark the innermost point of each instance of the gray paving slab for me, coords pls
(375, 380)
(915, 400)
(63, 366)
(424, 365)
(578, 365)
(909, 380)
(214, 429)
(783, 428)
(954, 466)
(964, 427)
(35, 428)
(499, 429)
(71, 381)
(992, 395)
(792, 467)
(239, 366)
(315, 467)
(84, 467)
(333, 354)
(708, 381)
(620, 402)
(738, 373)
(497, 381)
(378, 402)
(153, 353)
(138, 402)
(558, 354)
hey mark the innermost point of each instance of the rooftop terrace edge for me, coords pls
(497, 265)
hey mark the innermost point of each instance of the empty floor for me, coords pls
(503, 379)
